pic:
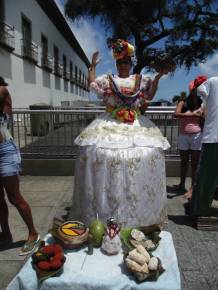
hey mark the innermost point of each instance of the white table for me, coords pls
(98, 272)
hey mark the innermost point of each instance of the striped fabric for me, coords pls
(10, 159)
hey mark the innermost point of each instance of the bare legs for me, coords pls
(194, 163)
(184, 158)
(6, 234)
(11, 186)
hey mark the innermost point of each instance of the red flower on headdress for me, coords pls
(121, 48)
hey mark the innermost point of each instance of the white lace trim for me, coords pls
(106, 132)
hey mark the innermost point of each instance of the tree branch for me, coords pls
(161, 24)
(157, 37)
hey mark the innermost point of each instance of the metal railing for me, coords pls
(84, 85)
(58, 69)
(66, 75)
(7, 36)
(72, 78)
(76, 81)
(51, 133)
(29, 50)
(47, 62)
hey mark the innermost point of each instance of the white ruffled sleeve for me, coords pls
(146, 87)
(203, 90)
(99, 85)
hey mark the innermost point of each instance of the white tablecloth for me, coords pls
(98, 272)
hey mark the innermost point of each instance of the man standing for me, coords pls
(207, 173)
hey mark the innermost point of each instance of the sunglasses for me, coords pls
(123, 61)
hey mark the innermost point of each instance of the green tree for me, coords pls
(186, 30)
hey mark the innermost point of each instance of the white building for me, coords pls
(40, 57)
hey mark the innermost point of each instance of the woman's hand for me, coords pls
(95, 61)
(196, 113)
(95, 58)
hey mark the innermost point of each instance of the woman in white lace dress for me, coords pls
(120, 170)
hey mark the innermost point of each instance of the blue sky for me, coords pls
(91, 36)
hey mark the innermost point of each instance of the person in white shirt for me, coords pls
(207, 173)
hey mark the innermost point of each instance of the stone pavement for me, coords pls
(197, 251)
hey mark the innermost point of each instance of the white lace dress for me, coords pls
(120, 170)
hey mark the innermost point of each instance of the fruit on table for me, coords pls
(48, 258)
(72, 234)
(96, 231)
(73, 228)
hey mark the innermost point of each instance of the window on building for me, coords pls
(30, 50)
(44, 45)
(26, 31)
(47, 60)
(76, 72)
(56, 56)
(80, 76)
(71, 70)
(6, 31)
(58, 69)
(2, 10)
(64, 66)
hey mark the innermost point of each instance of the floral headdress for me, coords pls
(121, 48)
(197, 82)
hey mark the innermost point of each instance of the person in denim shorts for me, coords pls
(10, 162)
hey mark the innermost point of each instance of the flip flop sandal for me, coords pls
(30, 247)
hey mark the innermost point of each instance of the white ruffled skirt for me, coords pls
(120, 172)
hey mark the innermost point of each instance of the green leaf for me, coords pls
(125, 235)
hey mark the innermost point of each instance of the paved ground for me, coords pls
(197, 251)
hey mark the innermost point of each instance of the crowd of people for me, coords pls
(120, 170)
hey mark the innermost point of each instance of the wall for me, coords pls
(29, 83)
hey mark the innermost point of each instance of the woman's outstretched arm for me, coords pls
(92, 71)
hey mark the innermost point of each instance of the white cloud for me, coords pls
(153, 74)
(210, 67)
(89, 38)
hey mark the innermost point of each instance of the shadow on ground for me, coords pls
(15, 245)
(173, 192)
(182, 220)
